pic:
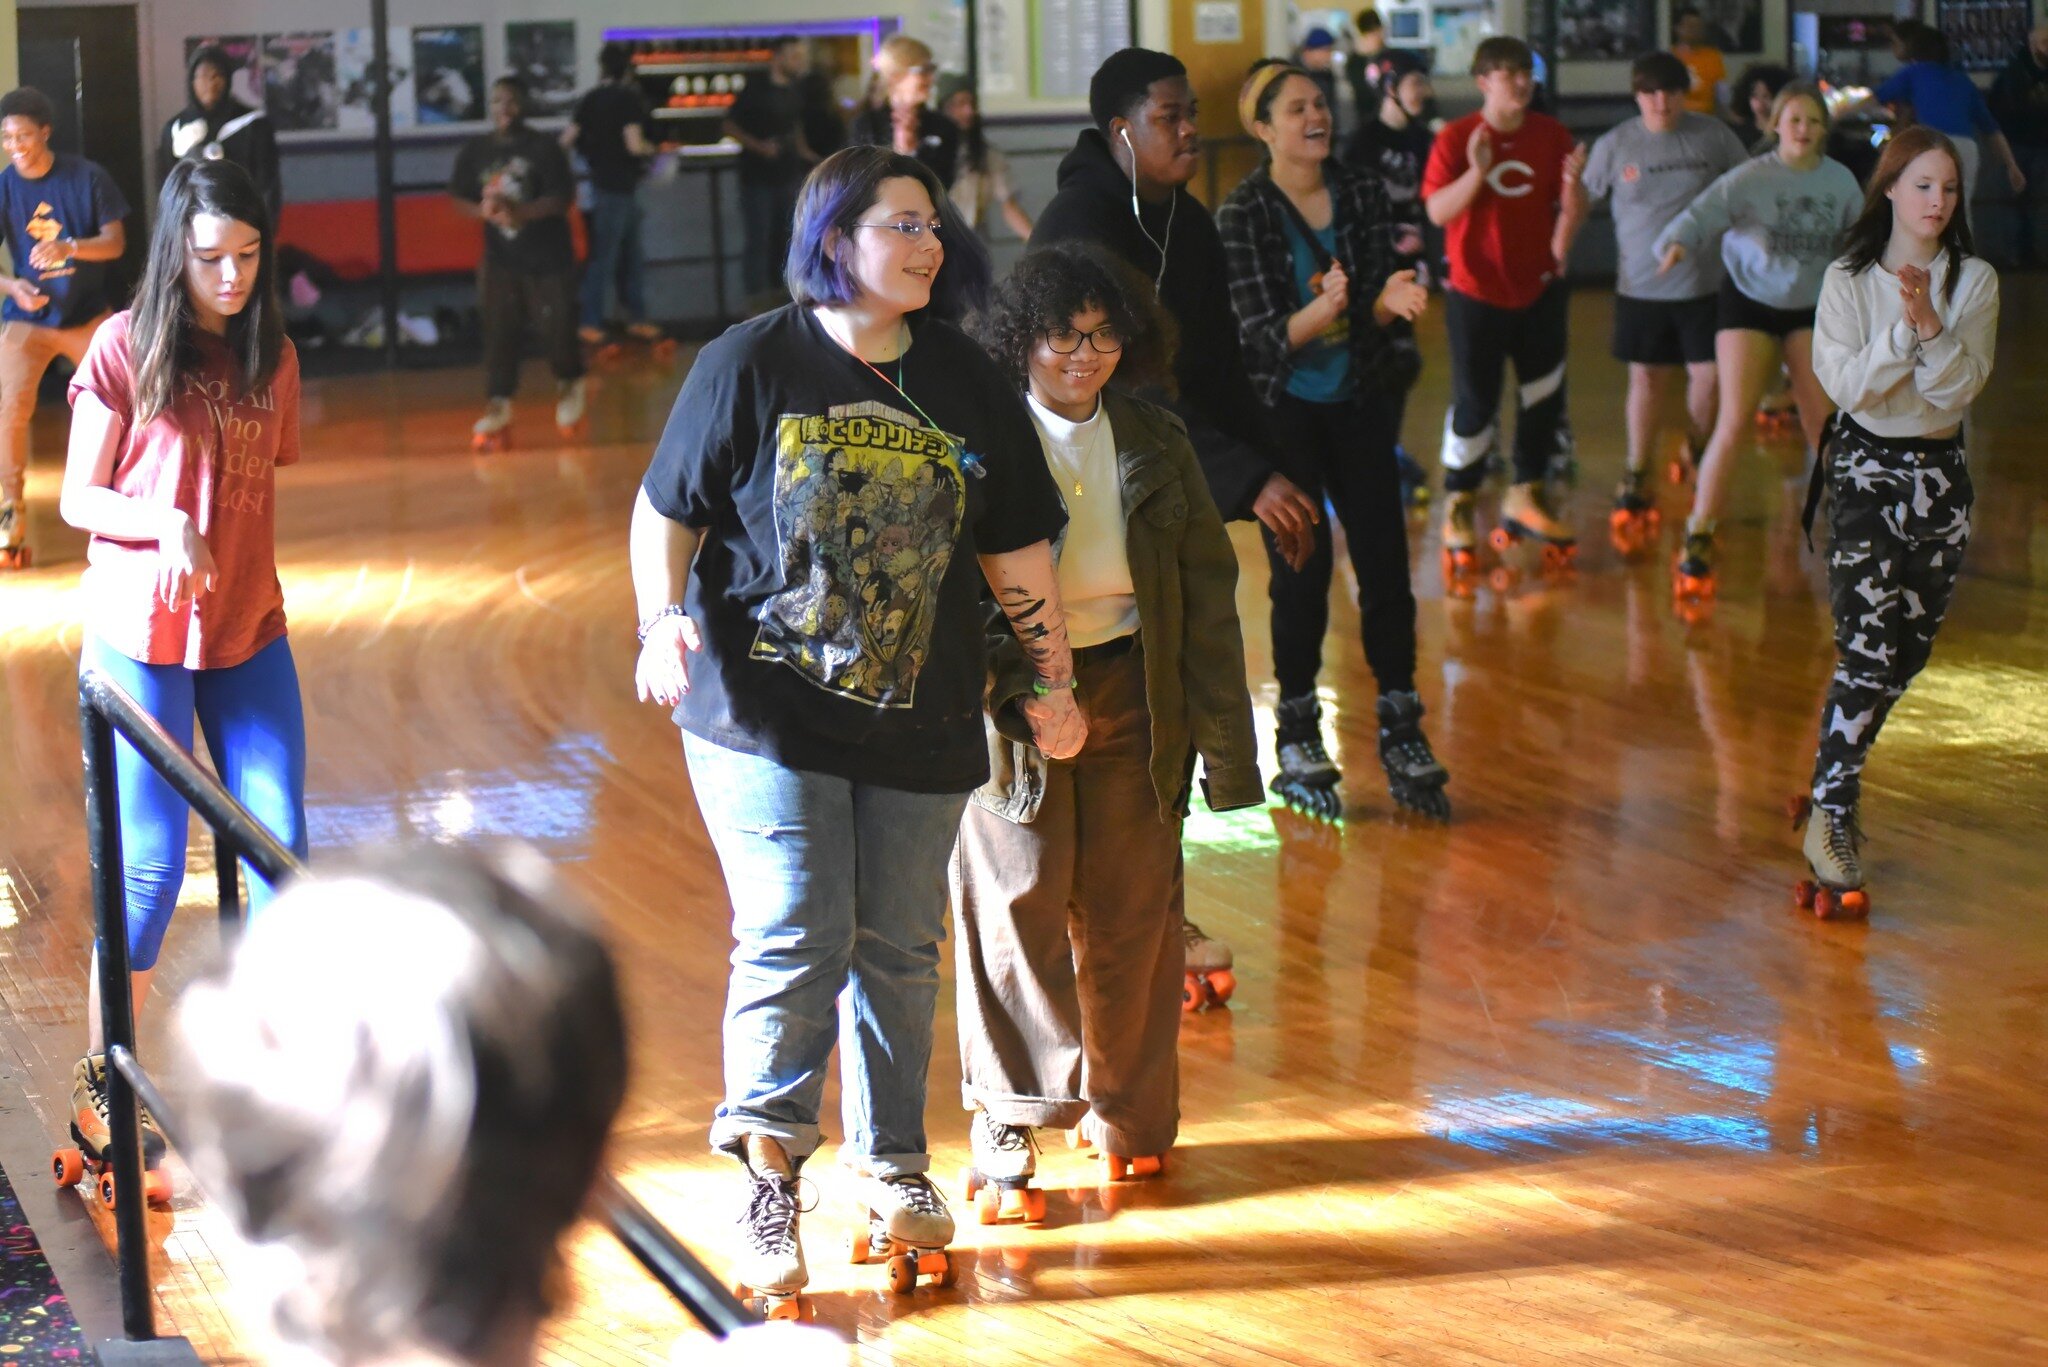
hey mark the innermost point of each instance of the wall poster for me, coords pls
(300, 89)
(448, 73)
(543, 54)
(354, 52)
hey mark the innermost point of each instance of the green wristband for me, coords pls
(1044, 689)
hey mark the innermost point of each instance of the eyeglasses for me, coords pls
(1066, 341)
(910, 229)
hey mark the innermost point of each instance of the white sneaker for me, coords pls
(570, 404)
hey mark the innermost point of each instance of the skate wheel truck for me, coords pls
(1204, 988)
(71, 1165)
(773, 1305)
(1003, 1200)
(906, 1262)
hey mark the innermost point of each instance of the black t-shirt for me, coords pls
(938, 138)
(1397, 156)
(836, 583)
(774, 113)
(524, 166)
(602, 117)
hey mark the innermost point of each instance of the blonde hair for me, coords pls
(1799, 90)
(899, 56)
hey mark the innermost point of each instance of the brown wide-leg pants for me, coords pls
(1070, 949)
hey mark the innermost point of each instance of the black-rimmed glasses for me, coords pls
(1066, 341)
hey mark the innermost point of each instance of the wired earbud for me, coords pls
(1159, 280)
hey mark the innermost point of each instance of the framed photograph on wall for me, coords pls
(543, 54)
(1732, 25)
(1605, 30)
(448, 73)
(300, 89)
(354, 52)
(246, 81)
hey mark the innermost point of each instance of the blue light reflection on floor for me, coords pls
(548, 801)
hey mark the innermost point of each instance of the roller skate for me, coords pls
(1777, 412)
(908, 1229)
(1833, 847)
(659, 344)
(1635, 518)
(570, 406)
(1307, 780)
(493, 431)
(1523, 515)
(999, 1179)
(770, 1275)
(1415, 777)
(1414, 480)
(91, 1135)
(1117, 1167)
(14, 550)
(1692, 577)
(1209, 981)
(1461, 556)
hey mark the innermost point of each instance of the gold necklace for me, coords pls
(1094, 436)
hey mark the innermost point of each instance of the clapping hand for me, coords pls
(1916, 292)
(1403, 297)
(1479, 150)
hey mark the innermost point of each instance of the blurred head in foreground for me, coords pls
(401, 1088)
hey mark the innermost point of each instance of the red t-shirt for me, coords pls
(211, 455)
(1500, 247)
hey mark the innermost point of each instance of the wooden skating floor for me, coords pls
(1568, 1081)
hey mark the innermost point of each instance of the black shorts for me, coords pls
(1664, 331)
(1734, 309)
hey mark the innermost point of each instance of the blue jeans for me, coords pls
(256, 733)
(615, 255)
(839, 903)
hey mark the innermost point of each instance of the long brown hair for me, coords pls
(161, 341)
(1871, 233)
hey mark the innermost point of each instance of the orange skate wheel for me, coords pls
(1502, 579)
(1853, 905)
(1034, 1205)
(863, 1251)
(17, 558)
(1799, 807)
(68, 1167)
(1222, 983)
(971, 1179)
(1803, 893)
(156, 1187)
(988, 1205)
(1556, 557)
(1148, 1165)
(1501, 538)
(1117, 1166)
(1192, 998)
(106, 1189)
(902, 1274)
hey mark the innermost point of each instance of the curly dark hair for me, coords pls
(1052, 284)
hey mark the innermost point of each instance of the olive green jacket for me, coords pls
(1184, 572)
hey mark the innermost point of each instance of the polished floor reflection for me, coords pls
(1568, 1081)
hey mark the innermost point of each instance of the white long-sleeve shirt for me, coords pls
(1875, 367)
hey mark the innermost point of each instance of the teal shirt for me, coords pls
(1322, 369)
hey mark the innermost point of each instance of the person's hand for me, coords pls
(663, 672)
(1673, 254)
(25, 295)
(1402, 297)
(1290, 515)
(1575, 164)
(47, 256)
(185, 568)
(1916, 292)
(2017, 177)
(1057, 726)
(1479, 150)
(1333, 298)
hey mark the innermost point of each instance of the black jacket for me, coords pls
(1224, 418)
(253, 146)
(938, 138)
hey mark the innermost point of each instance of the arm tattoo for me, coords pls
(1040, 629)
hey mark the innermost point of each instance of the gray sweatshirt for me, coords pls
(1779, 228)
(1652, 178)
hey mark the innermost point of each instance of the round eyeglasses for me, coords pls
(1066, 341)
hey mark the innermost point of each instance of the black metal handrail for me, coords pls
(103, 710)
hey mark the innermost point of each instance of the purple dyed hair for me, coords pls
(842, 189)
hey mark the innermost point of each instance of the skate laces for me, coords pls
(772, 1208)
(916, 1192)
(1192, 933)
(1008, 1138)
(1844, 837)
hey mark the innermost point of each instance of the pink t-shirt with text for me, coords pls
(212, 455)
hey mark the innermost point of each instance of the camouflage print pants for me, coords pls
(1899, 512)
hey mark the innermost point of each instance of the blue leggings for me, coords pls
(256, 733)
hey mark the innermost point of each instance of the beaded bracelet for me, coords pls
(1043, 689)
(672, 610)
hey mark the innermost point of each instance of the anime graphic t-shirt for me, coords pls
(74, 199)
(836, 584)
(518, 167)
(213, 454)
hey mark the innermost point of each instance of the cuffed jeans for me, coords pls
(839, 903)
(26, 350)
(615, 257)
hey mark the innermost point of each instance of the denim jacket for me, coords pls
(1184, 573)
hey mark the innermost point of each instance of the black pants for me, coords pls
(511, 302)
(1899, 512)
(1483, 340)
(767, 212)
(1345, 452)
